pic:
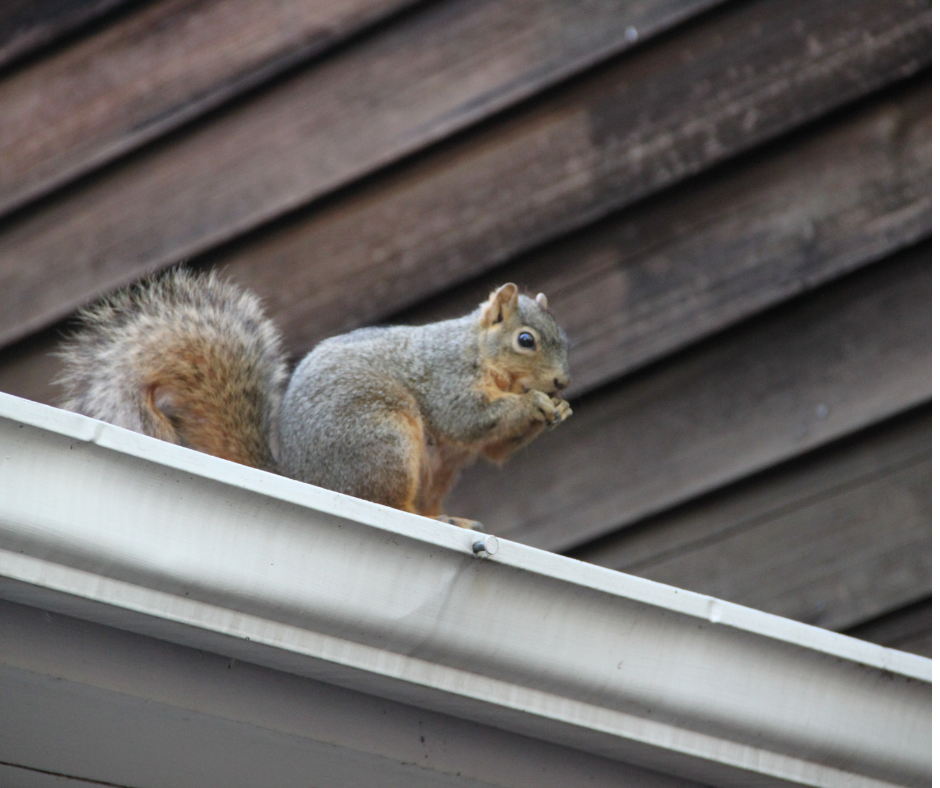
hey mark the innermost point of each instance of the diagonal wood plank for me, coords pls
(854, 554)
(28, 368)
(435, 71)
(150, 72)
(732, 79)
(907, 629)
(822, 367)
(27, 25)
(660, 275)
(832, 539)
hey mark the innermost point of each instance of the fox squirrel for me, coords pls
(391, 415)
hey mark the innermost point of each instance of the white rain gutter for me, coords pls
(118, 528)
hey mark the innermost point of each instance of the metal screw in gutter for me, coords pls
(486, 547)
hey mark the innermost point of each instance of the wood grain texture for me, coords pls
(27, 25)
(849, 557)
(833, 539)
(722, 84)
(150, 72)
(907, 629)
(28, 368)
(822, 367)
(657, 276)
(699, 257)
(431, 73)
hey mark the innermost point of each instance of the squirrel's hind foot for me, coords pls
(460, 522)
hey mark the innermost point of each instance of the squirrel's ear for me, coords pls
(542, 301)
(502, 304)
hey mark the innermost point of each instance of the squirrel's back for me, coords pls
(188, 358)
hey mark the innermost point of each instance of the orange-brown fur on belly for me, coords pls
(415, 459)
(432, 466)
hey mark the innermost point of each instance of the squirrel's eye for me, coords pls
(526, 340)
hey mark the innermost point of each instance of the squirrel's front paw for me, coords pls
(562, 411)
(552, 409)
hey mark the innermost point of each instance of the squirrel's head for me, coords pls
(521, 342)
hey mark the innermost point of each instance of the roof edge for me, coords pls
(127, 530)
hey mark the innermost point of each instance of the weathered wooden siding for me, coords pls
(29, 25)
(778, 540)
(728, 204)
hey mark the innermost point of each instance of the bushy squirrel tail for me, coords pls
(185, 357)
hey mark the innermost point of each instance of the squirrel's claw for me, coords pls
(562, 412)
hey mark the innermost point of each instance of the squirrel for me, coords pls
(388, 414)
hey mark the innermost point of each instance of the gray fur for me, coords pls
(337, 427)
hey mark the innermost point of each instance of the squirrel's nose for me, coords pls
(562, 382)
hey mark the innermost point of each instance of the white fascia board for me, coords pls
(118, 528)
